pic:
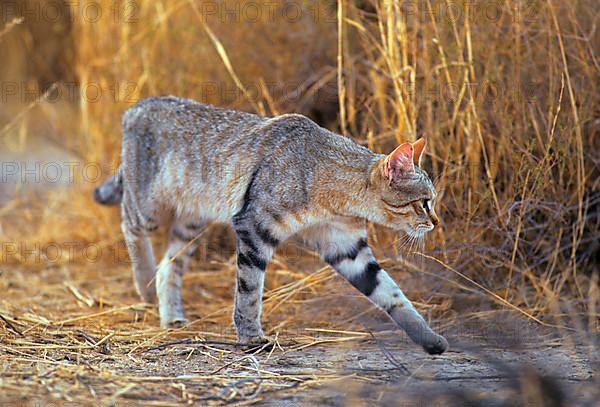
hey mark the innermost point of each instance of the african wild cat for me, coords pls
(187, 163)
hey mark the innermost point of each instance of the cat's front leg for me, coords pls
(255, 245)
(390, 297)
(347, 252)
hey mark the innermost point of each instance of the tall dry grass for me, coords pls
(507, 99)
(509, 105)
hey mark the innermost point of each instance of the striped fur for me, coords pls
(185, 164)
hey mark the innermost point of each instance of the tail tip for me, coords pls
(98, 196)
(107, 194)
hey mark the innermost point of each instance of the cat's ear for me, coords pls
(400, 161)
(419, 147)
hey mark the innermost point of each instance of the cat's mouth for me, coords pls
(419, 231)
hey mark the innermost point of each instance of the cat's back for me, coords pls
(174, 116)
(186, 128)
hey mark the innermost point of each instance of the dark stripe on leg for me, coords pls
(133, 227)
(251, 260)
(238, 217)
(351, 254)
(392, 307)
(243, 286)
(266, 236)
(149, 223)
(178, 234)
(194, 226)
(134, 213)
(367, 281)
(245, 237)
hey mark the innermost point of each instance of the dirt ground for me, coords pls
(378, 371)
(326, 374)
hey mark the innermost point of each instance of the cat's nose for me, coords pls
(434, 220)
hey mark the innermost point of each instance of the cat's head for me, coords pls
(405, 191)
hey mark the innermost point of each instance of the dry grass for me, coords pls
(507, 100)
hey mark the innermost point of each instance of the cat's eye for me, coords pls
(426, 205)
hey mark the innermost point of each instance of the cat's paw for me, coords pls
(258, 340)
(436, 346)
(257, 343)
(174, 322)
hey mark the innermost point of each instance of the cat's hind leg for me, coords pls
(136, 228)
(183, 242)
